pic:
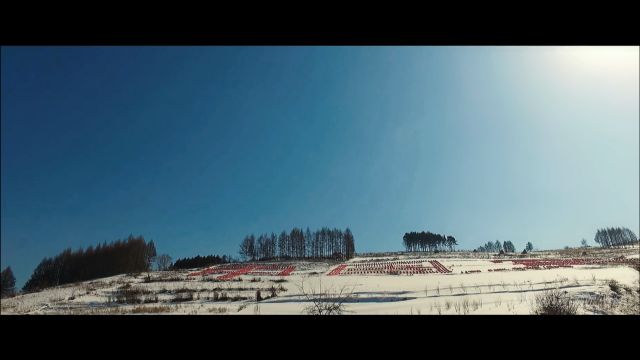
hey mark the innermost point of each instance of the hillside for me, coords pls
(456, 283)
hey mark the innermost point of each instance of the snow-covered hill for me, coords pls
(397, 284)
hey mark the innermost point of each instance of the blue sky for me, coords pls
(194, 147)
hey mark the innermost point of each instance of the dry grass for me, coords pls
(219, 310)
(150, 309)
(465, 306)
(438, 307)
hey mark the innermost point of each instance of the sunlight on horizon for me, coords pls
(615, 60)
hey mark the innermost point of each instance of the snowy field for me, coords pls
(396, 284)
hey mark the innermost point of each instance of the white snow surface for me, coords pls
(484, 292)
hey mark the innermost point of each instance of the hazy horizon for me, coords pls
(196, 147)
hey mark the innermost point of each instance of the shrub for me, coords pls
(182, 297)
(127, 294)
(182, 290)
(555, 302)
(615, 287)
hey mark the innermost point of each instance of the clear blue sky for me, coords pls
(194, 147)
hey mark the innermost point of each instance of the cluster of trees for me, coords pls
(614, 237)
(428, 241)
(163, 262)
(201, 261)
(497, 246)
(8, 287)
(508, 247)
(265, 247)
(299, 244)
(120, 257)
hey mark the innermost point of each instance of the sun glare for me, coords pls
(601, 58)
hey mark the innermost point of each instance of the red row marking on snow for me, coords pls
(238, 272)
(439, 267)
(287, 271)
(337, 270)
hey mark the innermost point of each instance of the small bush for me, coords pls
(615, 287)
(182, 297)
(555, 302)
(127, 294)
(182, 290)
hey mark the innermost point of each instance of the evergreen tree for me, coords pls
(120, 257)
(8, 282)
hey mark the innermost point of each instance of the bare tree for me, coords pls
(163, 262)
(325, 301)
(247, 248)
